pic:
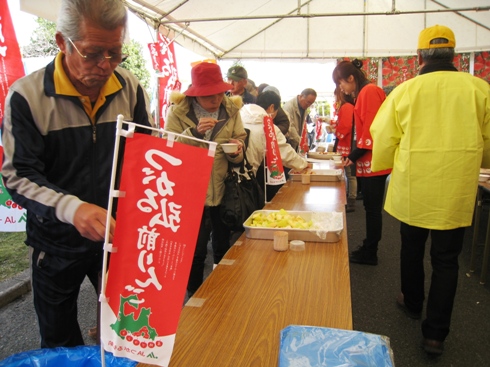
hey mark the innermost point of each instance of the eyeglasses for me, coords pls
(95, 58)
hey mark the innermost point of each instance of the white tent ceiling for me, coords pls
(304, 29)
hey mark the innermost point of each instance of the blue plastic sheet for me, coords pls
(83, 356)
(310, 346)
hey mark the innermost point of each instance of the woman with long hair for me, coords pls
(351, 80)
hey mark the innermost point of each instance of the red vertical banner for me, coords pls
(12, 217)
(11, 67)
(163, 60)
(158, 220)
(273, 160)
(303, 143)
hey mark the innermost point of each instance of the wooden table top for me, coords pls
(235, 317)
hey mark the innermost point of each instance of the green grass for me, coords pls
(14, 254)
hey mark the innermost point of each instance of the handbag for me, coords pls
(243, 195)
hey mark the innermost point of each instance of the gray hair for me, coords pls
(430, 55)
(308, 91)
(107, 14)
(272, 89)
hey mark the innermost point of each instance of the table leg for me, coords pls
(476, 227)
(486, 253)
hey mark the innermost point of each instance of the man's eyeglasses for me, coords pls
(95, 58)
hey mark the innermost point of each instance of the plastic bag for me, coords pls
(83, 356)
(311, 346)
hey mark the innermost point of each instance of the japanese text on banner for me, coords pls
(273, 160)
(157, 225)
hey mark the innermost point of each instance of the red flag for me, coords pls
(12, 216)
(273, 160)
(11, 67)
(318, 128)
(303, 144)
(163, 60)
(157, 225)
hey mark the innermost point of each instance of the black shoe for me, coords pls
(433, 347)
(351, 206)
(400, 301)
(363, 256)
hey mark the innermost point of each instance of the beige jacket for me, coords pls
(181, 120)
(295, 123)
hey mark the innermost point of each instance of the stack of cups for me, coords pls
(281, 241)
(305, 178)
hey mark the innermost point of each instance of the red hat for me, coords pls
(206, 81)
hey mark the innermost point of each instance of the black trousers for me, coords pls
(210, 222)
(373, 190)
(56, 284)
(446, 245)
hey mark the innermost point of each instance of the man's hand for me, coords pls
(90, 221)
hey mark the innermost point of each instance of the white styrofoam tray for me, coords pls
(327, 227)
(319, 174)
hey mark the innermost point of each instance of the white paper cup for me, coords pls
(297, 245)
(281, 241)
(229, 148)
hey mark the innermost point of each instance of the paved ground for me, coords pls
(373, 302)
(373, 293)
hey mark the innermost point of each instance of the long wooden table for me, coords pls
(235, 317)
(483, 187)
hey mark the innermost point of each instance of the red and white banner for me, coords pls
(163, 60)
(158, 221)
(303, 143)
(12, 216)
(273, 161)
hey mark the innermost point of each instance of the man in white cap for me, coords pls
(434, 131)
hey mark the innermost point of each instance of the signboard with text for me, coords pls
(273, 160)
(12, 216)
(158, 220)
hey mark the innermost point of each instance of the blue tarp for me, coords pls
(310, 346)
(83, 356)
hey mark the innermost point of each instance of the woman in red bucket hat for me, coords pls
(203, 111)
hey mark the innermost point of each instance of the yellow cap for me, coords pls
(437, 31)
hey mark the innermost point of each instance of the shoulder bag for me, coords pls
(242, 197)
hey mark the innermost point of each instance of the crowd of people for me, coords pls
(55, 168)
